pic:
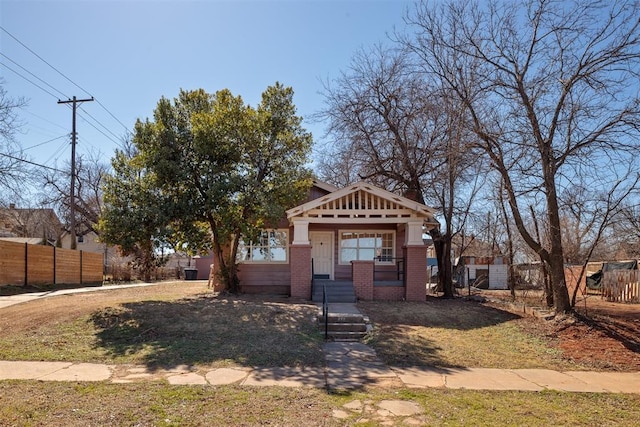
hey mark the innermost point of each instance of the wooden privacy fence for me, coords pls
(24, 264)
(621, 286)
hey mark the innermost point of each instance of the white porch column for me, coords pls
(413, 234)
(301, 232)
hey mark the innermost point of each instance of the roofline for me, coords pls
(407, 203)
(324, 185)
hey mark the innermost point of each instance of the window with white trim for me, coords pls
(367, 245)
(271, 247)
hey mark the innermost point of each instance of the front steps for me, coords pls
(344, 322)
(338, 291)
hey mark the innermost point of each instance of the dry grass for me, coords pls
(29, 403)
(182, 323)
(162, 330)
(456, 333)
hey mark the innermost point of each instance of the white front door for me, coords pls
(322, 253)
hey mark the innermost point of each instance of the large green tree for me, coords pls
(227, 164)
(134, 214)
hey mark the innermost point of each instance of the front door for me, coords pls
(322, 254)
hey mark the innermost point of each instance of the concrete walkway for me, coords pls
(348, 365)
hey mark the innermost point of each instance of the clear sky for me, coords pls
(128, 54)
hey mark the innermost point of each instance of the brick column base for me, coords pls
(416, 272)
(362, 274)
(300, 266)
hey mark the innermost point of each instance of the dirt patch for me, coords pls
(602, 335)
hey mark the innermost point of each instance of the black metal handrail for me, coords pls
(313, 280)
(399, 263)
(325, 311)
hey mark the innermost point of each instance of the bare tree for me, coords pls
(551, 88)
(398, 131)
(626, 231)
(90, 172)
(13, 168)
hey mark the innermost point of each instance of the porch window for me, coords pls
(359, 245)
(271, 246)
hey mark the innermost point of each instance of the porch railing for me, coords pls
(313, 279)
(325, 311)
(400, 271)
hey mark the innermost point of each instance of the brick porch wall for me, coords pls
(300, 264)
(416, 265)
(362, 274)
(388, 293)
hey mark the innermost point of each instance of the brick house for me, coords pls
(361, 237)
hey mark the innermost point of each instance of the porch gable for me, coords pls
(362, 202)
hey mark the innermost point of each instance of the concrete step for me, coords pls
(344, 318)
(346, 336)
(336, 292)
(345, 323)
(347, 327)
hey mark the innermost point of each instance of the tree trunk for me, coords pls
(217, 272)
(224, 274)
(561, 300)
(442, 245)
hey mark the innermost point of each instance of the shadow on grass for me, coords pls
(401, 329)
(210, 331)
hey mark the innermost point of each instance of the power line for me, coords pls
(111, 114)
(30, 162)
(43, 118)
(54, 96)
(35, 84)
(42, 143)
(57, 152)
(97, 121)
(30, 73)
(67, 78)
(43, 60)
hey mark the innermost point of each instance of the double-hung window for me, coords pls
(270, 247)
(367, 245)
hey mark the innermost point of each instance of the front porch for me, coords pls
(363, 243)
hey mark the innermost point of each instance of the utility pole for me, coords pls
(74, 102)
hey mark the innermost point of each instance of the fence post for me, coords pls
(54, 265)
(26, 264)
(81, 267)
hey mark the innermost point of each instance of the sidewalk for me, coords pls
(7, 301)
(348, 365)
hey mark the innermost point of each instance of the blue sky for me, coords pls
(128, 54)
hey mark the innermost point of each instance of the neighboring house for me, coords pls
(87, 241)
(28, 240)
(42, 224)
(361, 235)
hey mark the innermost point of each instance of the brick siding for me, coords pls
(362, 273)
(300, 263)
(388, 293)
(416, 265)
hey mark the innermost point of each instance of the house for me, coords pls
(360, 237)
(89, 241)
(42, 224)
